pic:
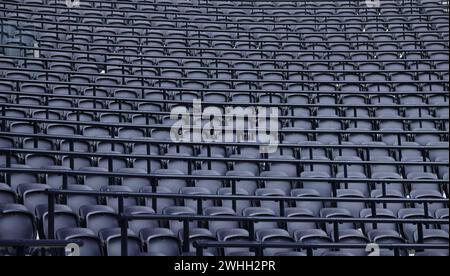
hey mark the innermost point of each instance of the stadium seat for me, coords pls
(111, 239)
(234, 235)
(140, 103)
(274, 236)
(383, 236)
(433, 236)
(91, 243)
(98, 217)
(313, 236)
(160, 240)
(64, 218)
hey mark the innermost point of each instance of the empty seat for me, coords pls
(111, 238)
(160, 240)
(273, 236)
(249, 186)
(16, 222)
(91, 243)
(349, 168)
(173, 184)
(354, 207)
(409, 229)
(378, 213)
(283, 185)
(64, 218)
(261, 212)
(176, 225)
(117, 100)
(312, 236)
(394, 194)
(96, 182)
(313, 206)
(33, 195)
(235, 204)
(290, 169)
(199, 235)
(194, 203)
(337, 213)
(433, 236)
(324, 188)
(383, 236)
(358, 186)
(442, 214)
(7, 195)
(234, 235)
(212, 185)
(267, 192)
(17, 178)
(77, 201)
(56, 180)
(136, 179)
(98, 217)
(216, 226)
(113, 201)
(245, 166)
(292, 227)
(427, 194)
(137, 225)
(424, 186)
(351, 236)
(158, 203)
(386, 184)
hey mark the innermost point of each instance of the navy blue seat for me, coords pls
(104, 103)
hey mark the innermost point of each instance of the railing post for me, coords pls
(336, 231)
(199, 210)
(199, 250)
(121, 204)
(199, 206)
(8, 159)
(426, 209)
(154, 183)
(123, 235)
(282, 208)
(123, 227)
(309, 252)
(186, 246)
(233, 192)
(420, 232)
(373, 208)
(259, 250)
(20, 251)
(51, 215)
(3, 127)
(65, 181)
(251, 230)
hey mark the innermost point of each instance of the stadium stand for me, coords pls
(86, 155)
